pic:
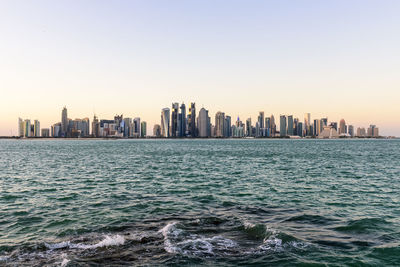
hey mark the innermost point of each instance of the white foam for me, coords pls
(248, 225)
(170, 231)
(4, 258)
(107, 241)
(64, 260)
(192, 244)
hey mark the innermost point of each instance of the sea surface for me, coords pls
(199, 202)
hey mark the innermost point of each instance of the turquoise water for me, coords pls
(199, 202)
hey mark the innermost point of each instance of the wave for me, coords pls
(177, 241)
(257, 231)
(115, 240)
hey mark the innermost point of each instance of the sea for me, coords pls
(239, 202)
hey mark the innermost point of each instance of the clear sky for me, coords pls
(339, 59)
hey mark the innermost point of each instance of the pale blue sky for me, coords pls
(339, 59)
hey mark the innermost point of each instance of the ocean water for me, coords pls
(199, 202)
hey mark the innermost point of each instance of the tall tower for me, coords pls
(192, 120)
(95, 127)
(283, 126)
(174, 119)
(219, 124)
(342, 126)
(64, 122)
(307, 123)
(203, 123)
(290, 123)
(36, 129)
(182, 121)
(165, 131)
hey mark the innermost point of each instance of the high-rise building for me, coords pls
(95, 127)
(192, 120)
(300, 130)
(21, 127)
(56, 130)
(268, 126)
(219, 124)
(317, 127)
(64, 122)
(361, 132)
(157, 130)
(307, 124)
(258, 129)
(45, 132)
(27, 128)
(351, 130)
(273, 125)
(174, 119)
(136, 127)
(248, 127)
(126, 126)
(203, 123)
(342, 127)
(143, 129)
(290, 124)
(165, 131)
(182, 121)
(283, 126)
(373, 131)
(36, 128)
(227, 126)
(261, 123)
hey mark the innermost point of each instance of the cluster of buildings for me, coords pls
(27, 129)
(178, 122)
(119, 127)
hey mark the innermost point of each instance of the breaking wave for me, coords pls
(115, 240)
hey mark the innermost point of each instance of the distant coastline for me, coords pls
(191, 138)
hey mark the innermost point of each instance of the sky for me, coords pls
(335, 59)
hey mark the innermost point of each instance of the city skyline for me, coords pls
(176, 122)
(335, 60)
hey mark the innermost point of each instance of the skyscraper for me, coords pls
(21, 127)
(268, 126)
(192, 120)
(227, 126)
(307, 123)
(143, 129)
(261, 123)
(36, 131)
(27, 128)
(248, 127)
(342, 127)
(64, 122)
(219, 124)
(157, 130)
(136, 127)
(290, 125)
(165, 131)
(351, 130)
(283, 126)
(273, 125)
(300, 129)
(203, 123)
(95, 127)
(317, 127)
(182, 121)
(174, 119)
